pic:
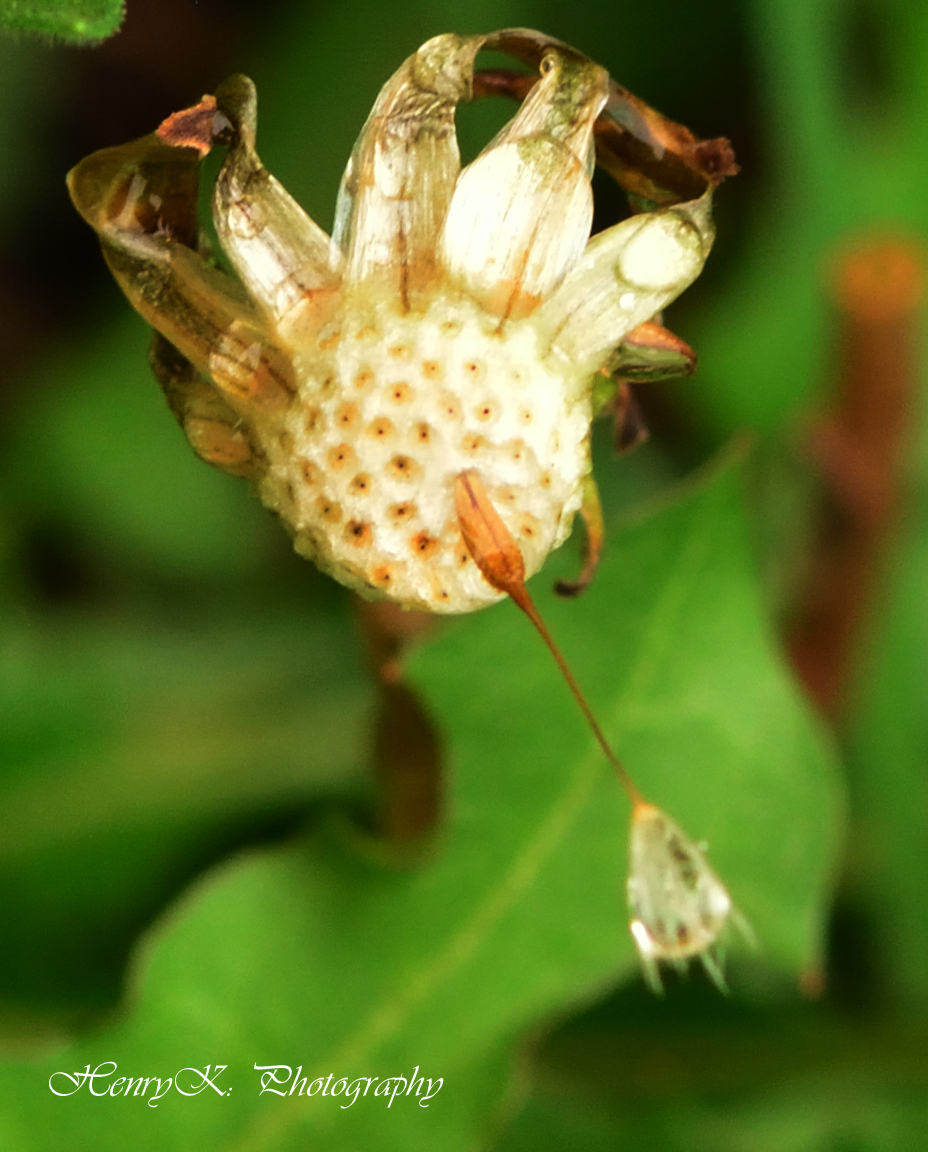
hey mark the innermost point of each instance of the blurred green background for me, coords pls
(188, 872)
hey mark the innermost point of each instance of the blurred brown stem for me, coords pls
(858, 448)
(407, 759)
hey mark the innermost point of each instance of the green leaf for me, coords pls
(684, 675)
(74, 21)
(317, 955)
(134, 756)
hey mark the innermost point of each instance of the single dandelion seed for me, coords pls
(678, 906)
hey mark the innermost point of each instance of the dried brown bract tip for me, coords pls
(198, 127)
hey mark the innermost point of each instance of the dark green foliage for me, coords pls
(187, 871)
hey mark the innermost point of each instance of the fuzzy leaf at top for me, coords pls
(75, 21)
